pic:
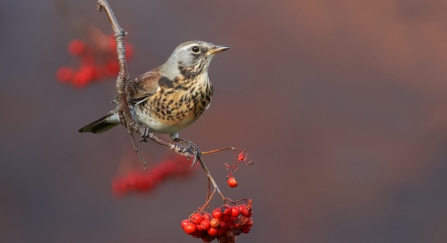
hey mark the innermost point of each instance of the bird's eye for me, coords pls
(195, 49)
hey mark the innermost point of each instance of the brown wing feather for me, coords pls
(143, 86)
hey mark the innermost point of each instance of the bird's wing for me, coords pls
(143, 87)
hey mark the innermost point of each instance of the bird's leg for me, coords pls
(190, 147)
(144, 132)
(141, 129)
(121, 116)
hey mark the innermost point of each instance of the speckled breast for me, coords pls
(172, 109)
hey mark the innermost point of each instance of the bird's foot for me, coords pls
(145, 133)
(191, 148)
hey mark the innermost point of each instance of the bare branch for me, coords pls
(123, 75)
(103, 4)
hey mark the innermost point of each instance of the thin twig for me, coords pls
(220, 150)
(208, 188)
(208, 174)
(123, 75)
(207, 201)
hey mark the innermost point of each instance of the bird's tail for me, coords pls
(102, 124)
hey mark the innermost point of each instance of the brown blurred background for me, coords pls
(342, 104)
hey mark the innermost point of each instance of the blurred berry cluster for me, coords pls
(95, 62)
(224, 223)
(144, 181)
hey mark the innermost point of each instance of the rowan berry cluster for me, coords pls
(96, 62)
(224, 223)
(146, 180)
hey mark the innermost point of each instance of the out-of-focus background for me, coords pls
(342, 105)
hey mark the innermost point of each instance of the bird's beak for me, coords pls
(217, 49)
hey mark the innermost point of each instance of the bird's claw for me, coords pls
(191, 148)
(196, 155)
(144, 134)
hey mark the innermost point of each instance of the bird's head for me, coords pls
(191, 58)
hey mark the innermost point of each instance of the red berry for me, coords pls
(229, 234)
(132, 180)
(157, 173)
(249, 204)
(228, 224)
(249, 222)
(197, 234)
(205, 224)
(207, 216)
(222, 239)
(196, 218)
(208, 238)
(244, 210)
(214, 223)
(220, 232)
(226, 210)
(234, 211)
(141, 184)
(226, 218)
(64, 74)
(199, 227)
(113, 68)
(232, 182)
(212, 231)
(217, 213)
(237, 232)
(89, 71)
(222, 224)
(76, 47)
(80, 79)
(243, 220)
(164, 169)
(190, 228)
(245, 229)
(148, 182)
(184, 223)
(241, 156)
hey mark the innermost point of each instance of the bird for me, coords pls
(170, 97)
